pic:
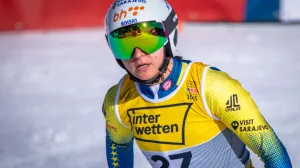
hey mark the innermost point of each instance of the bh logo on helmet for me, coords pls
(123, 14)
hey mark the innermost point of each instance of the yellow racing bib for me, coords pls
(169, 123)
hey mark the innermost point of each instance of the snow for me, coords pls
(52, 86)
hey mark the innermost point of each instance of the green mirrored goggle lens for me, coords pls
(147, 36)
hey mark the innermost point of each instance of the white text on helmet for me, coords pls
(128, 22)
(123, 2)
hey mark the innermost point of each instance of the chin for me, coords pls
(144, 76)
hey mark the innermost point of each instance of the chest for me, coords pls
(175, 123)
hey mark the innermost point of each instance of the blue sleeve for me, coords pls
(279, 157)
(119, 139)
(119, 155)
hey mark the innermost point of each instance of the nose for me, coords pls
(138, 53)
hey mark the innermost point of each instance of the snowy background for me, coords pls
(52, 86)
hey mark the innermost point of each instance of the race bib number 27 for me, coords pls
(185, 157)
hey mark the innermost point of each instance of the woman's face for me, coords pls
(144, 66)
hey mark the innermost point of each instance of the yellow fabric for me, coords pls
(196, 112)
(234, 106)
(117, 132)
(158, 123)
(184, 66)
(250, 164)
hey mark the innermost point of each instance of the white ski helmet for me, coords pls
(127, 12)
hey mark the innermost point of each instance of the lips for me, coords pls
(141, 66)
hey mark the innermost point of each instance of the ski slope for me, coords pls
(52, 86)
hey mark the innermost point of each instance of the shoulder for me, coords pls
(220, 85)
(201, 69)
(198, 66)
(207, 71)
(217, 89)
(116, 131)
(193, 67)
(112, 91)
(111, 94)
(216, 77)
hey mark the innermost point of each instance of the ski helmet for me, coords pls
(124, 13)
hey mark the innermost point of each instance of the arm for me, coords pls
(229, 102)
(119, 139)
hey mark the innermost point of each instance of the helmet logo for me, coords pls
(167, 5)
(119, 3)
(123, 13)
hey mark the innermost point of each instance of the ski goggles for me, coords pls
(147, 36)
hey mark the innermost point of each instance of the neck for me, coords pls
(166, 74)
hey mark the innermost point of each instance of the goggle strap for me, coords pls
(169, 23)
(164, 66)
